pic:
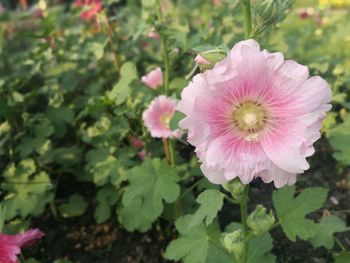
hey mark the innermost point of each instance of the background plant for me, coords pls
(71, 101)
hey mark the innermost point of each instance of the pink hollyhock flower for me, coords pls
(136, 143)
(10, 246)
(157, 118)
(153, 34)
(254, 115)
(94, 7)
(200, 60)
(153, 79)
(216, 2)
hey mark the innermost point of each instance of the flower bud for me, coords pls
(260, 221)
(207, 59)
(268, 10)
(236, 189)
(233, 242)
(200, 60)
(267, 13)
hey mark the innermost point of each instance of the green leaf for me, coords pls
(292, 210)
(325, 230)
(174, 122)
(200, 244)
(259, 246)
(211, 202)
(32, 260)
(97, 49)
(62, 261)
(106, 197)
(339, 138)
(342, 258)
(28, 191)
(66, 156)
(35, 143)
(102, 165)
(121, 90)
(133, 217)
(76, 206)
(153, 182)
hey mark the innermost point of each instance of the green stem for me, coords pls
(190, 188)
(247, 19)
(244, 217)
(231, 200)
(171, 151)
(21, 258)
(340, 244)
(110, 33)
(165, 48)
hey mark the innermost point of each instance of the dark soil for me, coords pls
(82, 240)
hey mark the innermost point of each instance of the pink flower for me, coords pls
(38, 13)
(10, 246)
(153, 79)
(143, 154)
(136, 143)
(2, 9)
(153, 34)
(254, 115)
(157, 118)
(303, 14)
(216, 2)
(200, 60)
(94, 7)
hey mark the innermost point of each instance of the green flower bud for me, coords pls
(260, 221)
(267, 13)
(268, 10)
(233, 242)
(236, 189)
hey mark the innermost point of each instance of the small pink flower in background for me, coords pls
(216, 2)
(153, 34)
(254, 115)
(10, 246)
(200, 60)
(136, 143)
(303, 13)
(38, 13)
(2, 9)
(157, 118)
(94, 7)
(143, 154)
(153, 79)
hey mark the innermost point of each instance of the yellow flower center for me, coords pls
(165, 119)
(249, 118)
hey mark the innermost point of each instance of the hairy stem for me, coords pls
(165, 47)
(171, 151)
(244, 217)
(166, 150)
(247, 19)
